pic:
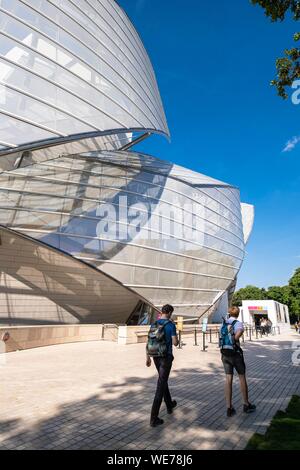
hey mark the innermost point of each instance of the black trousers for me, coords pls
(163, 366)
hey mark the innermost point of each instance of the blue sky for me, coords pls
(214, 62)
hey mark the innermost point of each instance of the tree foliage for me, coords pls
(288, 295)
(279, 293)
(294, 285)
(248, 293)
(288, 67)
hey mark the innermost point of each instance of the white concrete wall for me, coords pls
(41, 286)
(221, 310)
(270, 306)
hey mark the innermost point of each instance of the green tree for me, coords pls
(288, 67)
(248, 293)
(288, 295)
(279, 294)
(294, 286)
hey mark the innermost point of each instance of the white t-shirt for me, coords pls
(238, 326)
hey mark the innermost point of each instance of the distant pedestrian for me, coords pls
(162, 337)
(269, 326)
(263, 325)
(233, 358)
(296, 325)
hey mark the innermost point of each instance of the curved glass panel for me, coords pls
(248, 220)
(71, 68)
(128, 215)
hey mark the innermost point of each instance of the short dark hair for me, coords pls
(167, 309)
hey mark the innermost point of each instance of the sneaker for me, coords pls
(249, 408)
(170, 410)
(156, 422)
(230, 412)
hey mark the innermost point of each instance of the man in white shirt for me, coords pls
(235, 360)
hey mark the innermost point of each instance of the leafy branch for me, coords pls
(288, 67)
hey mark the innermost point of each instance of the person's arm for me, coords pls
(174, 337)
(238, 331)
(238, 334)
(148, 360)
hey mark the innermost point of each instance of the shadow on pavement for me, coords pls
(118, 417)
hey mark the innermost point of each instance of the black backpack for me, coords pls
(157, 345)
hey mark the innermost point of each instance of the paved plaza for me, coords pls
(98, 395)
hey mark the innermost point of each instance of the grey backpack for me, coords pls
(157, 345)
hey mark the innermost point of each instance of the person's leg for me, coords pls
(228, 369)
(163, 366)
(156, 361)
(167, 397)
(154, 411)
(228, 390)
(240, 367)
(244, 389)
(167, 394)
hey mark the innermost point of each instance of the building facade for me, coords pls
(92, 231)
(253, 311)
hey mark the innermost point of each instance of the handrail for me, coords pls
(249, 332)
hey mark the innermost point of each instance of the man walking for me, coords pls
(233, 358)
(163, 364)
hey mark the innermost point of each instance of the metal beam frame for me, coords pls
(55, 141)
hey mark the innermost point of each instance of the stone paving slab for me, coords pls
(99, 395)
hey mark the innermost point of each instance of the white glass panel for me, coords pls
(20, 132)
